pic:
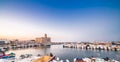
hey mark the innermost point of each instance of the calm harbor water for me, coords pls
(67, 53)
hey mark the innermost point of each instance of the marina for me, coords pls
(42, 51)
(60, 31)
(64, 56)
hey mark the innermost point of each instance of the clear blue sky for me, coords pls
(63, 20)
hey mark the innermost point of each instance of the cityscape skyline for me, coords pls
(62, 20)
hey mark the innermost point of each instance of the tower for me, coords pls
(45, 35)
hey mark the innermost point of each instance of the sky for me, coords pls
(62, 20)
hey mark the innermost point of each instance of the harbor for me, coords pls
(73, 55)
(59, 30)
(43, 50)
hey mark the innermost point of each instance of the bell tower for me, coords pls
(45, 35)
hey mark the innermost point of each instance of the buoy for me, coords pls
(74, 60)
(67, 60)
(58, 58)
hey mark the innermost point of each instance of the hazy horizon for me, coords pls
(62, 20)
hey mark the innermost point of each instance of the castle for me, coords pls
(44, 39)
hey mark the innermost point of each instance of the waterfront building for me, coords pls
(103, 43)
(44, 39)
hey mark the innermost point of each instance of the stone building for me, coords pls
(44, 39)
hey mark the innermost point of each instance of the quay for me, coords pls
(29, 45)
(93, 46)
